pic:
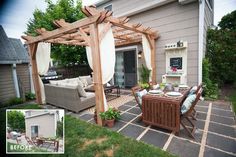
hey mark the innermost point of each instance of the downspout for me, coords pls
(200, 38)
(15, 80)
(31, 80)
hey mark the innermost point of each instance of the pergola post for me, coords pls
(153, 58)
(32, 49)
(97, 71)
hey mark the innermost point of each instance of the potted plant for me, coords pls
(95, 118)
(144, 85)
(162, 86)
(176, 87)
(144, 75)
(110, 116)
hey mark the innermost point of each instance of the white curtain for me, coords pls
(43, 59)
(147, 53)
(107, 55)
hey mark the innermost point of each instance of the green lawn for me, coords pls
(87, 140)
(233, 100)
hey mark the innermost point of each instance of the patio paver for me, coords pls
(220, 135)
(220, 142)
(132, 131)
(183, 148)
(155, 138)
(209, 152)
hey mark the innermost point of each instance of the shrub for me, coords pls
(210, 88)
(30, 96)
(145, 74)
(13, 101)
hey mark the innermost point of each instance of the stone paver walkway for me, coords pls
(215, 136)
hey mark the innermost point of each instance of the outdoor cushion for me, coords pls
(188, 103)
(193, 90)
(140, 94)
(89, 95)
(81, 91)
(87, 78)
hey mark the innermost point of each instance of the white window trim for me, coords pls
(200, 38)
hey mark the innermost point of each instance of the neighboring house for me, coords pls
(175, 20)
(14, 68)
(41, 123)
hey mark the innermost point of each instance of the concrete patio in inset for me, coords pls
(215, 136)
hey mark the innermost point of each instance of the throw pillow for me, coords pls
(84, 81)
(193, 90)
(88, 79)
(140, 94)
(81, 91)
(188, 103)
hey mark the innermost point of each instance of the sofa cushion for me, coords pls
(81, 91)
(57, 82)
(87, 78)
(89, 95)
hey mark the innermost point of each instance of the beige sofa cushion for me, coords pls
(81, 91)
(89, 95)
(87, 80)
(57, 82)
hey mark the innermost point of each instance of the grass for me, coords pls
(87, 140)
(233, 100)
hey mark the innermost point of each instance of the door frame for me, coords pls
(130, 48)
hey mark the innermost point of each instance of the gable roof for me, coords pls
(7, 51)
(21, 52)
(11, 50)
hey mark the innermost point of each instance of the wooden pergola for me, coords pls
(84, 32)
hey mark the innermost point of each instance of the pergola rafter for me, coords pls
(85, 33)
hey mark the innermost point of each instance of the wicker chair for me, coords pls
(189, 114)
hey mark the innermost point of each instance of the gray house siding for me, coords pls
(23, 76)
(7, 89)
(122, 6)
(208, 21)
(173, 22)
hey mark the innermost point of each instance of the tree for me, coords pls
(16, 120)
(62, 9)
(221, 50)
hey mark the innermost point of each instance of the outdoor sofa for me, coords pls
(68, 94)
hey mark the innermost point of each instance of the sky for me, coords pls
(15, 14)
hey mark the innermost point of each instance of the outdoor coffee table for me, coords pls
(163, 111)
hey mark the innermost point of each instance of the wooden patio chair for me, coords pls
(188, 114)
(31, 142)
(194, 112)
(134, 91)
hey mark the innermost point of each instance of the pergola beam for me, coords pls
(64, 30)
(85, 33)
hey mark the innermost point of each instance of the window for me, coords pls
(109, 7)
